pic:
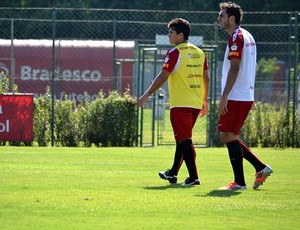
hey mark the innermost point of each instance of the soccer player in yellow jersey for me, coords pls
(186, 69)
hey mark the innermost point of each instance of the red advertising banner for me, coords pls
(82, 68)
(16, 117)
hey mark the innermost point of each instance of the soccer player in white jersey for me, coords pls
(237, 98)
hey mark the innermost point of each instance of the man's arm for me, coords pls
(232, 76)
(159, 80)
(204, 109)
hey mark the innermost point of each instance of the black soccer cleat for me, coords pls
(166, 176)
(189, 182)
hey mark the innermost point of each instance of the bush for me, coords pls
(270, 125)
(119, 121)
(66, 131)
(91, 118)
(104, 122)
(42, 120)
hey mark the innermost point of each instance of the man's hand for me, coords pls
(143, 99)
(223, 106)
(204, 109)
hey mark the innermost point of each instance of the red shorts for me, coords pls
(183, 121)
(237, 113)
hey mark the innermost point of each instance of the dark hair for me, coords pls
(180, 25)
(233, 9)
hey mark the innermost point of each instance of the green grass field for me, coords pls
(119, 188)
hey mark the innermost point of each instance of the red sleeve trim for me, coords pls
(170, 60)
(235, 44)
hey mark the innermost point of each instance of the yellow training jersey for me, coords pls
(186, 79)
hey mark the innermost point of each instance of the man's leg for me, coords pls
(251, 157)
(189, 155)
(236, 160)
(178, 159)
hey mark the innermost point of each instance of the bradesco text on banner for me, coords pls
(16, 117)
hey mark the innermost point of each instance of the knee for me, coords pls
(223, 139)
(227, 137)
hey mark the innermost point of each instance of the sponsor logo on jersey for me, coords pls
(193, 55)
(234, 47)
(193, 66)
(194, 75)
(250, 44)
(195, 86)
(237, 54)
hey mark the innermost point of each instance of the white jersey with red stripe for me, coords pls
(242, 46)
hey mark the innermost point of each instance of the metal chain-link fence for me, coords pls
(92, 50)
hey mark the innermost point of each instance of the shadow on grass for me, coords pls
(170, 186)
(221, 193)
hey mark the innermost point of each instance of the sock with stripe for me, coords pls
(251, 157)
(178, 159)
(189, 155)
(236, 159)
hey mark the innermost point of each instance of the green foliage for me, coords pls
(80, 126)
(265, 72)
(66, 131)
(269, 125)
(266, 68)
(119, 120)
(5, 84)
(104, 122)
(92, 120)
(42, 119)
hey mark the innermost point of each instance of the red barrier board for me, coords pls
(16, 117)
(82, 68)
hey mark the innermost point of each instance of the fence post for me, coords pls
(53, 77)
(114, 77)
(292, 75)
(12, 58)
(295, 78)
